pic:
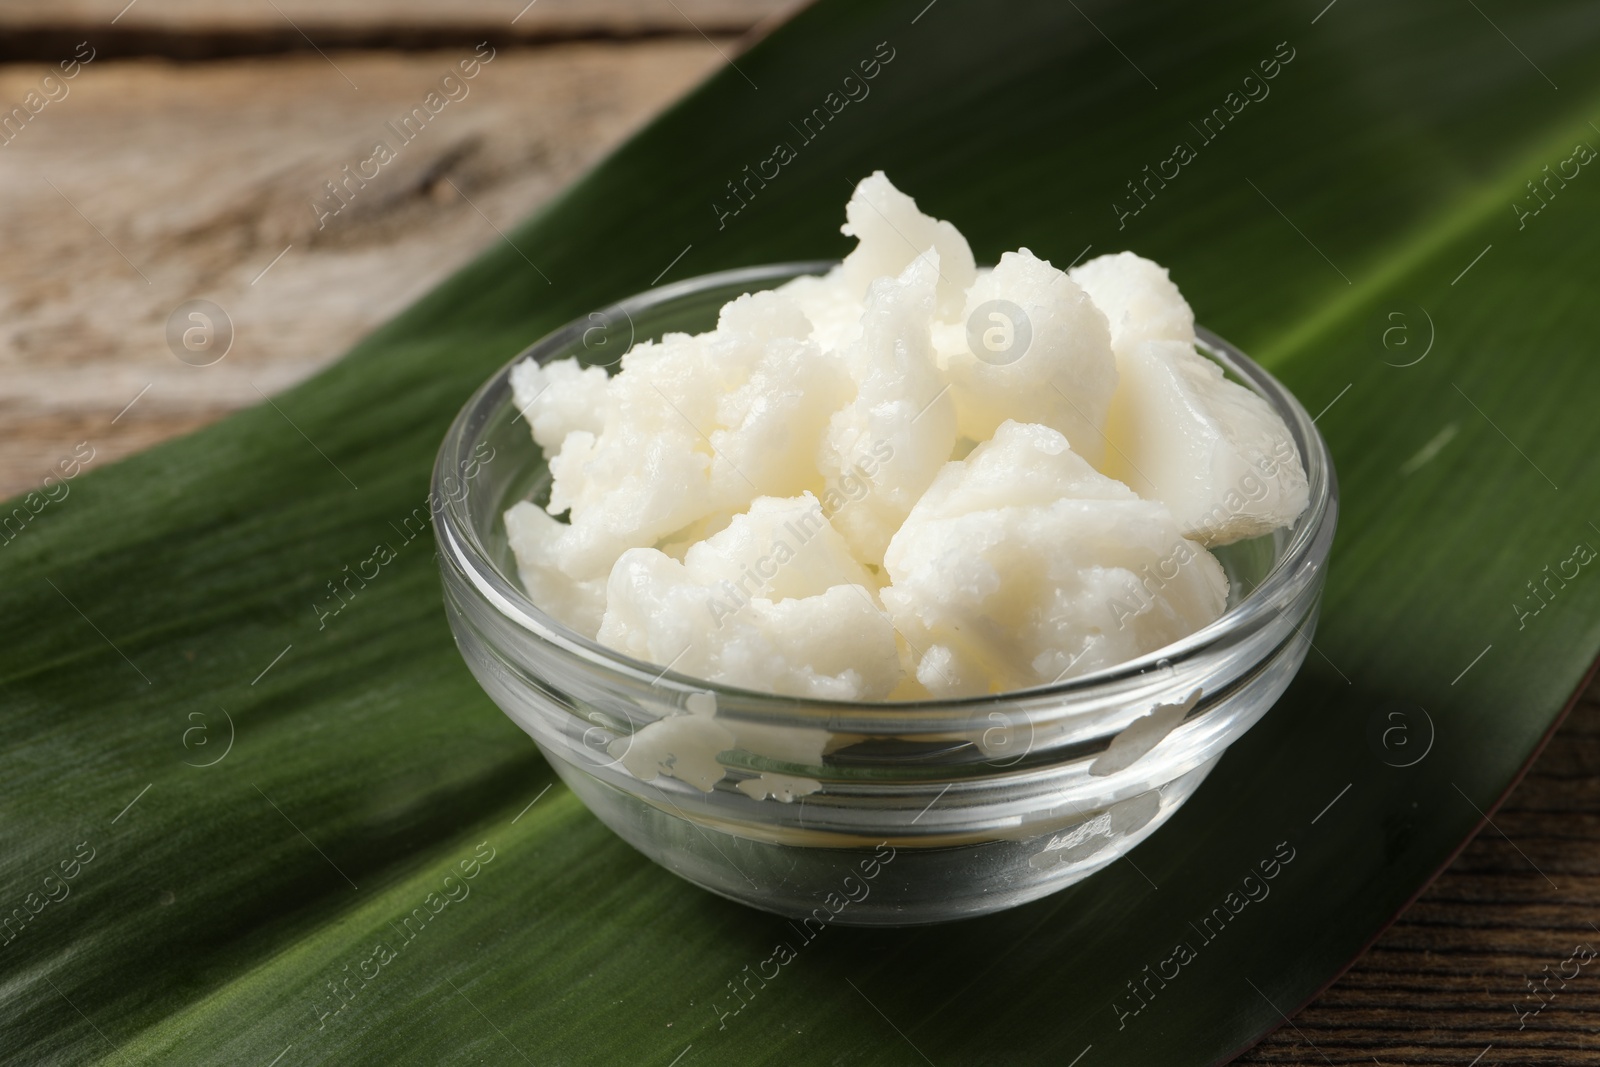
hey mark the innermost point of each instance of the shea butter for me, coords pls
(909, 477)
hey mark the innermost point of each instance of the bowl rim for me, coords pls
(1296, 566)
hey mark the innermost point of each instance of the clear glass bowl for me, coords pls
(861, 814)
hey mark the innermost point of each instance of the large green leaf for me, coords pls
(365, 765)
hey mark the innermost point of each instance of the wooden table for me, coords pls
(217, 165)
(220, 123)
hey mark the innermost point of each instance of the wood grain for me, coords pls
(151, 184)
(564, 16)
(213, 29)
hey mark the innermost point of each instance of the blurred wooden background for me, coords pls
(182, 163)
(154, 181)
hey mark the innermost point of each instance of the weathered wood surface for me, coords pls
(201, 174)
(376, 18)
(192, 15)
(150, 184)
(196, 29)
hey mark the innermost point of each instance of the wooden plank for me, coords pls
(213, 29)
(197, 15)
(149, 184)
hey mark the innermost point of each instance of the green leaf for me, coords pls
(1377, 177)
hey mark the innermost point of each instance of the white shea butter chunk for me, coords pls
(830, 304)
(891, 232)
(1065, 374)
(779, 391)
(648, 471)
(1179, 431)
(559, 398)
(883, 450)
(1139, 300)
(775, 602)
(1210, 449)
(1023, 565)
(535, 538)
(689, 428)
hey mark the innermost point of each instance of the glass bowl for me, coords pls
(861, 814)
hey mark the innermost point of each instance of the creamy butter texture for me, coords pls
(910, 477)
